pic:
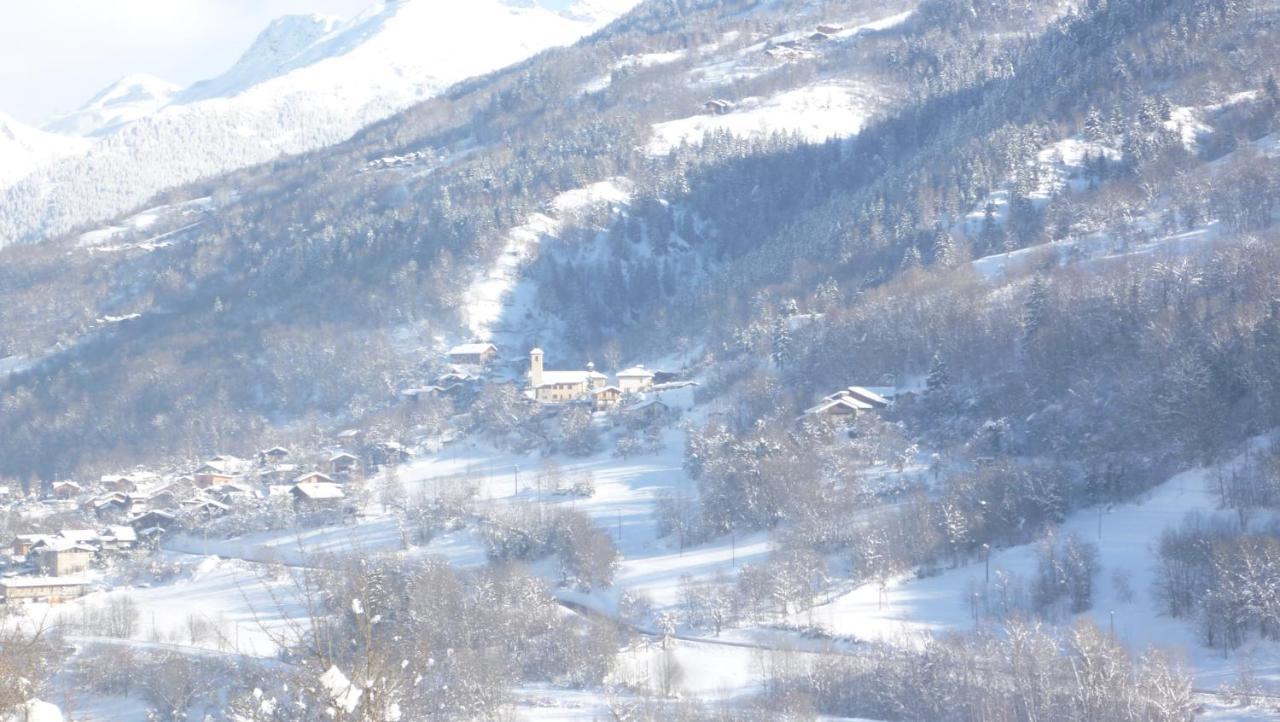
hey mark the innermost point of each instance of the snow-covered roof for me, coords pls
(607, 389)
(343, 455)
(845, 402)
(635, 372)
(28, 582)
(550, 378)
(121, 533)
(65, 484)
(471, 349)
(317, 477)
(320, 490)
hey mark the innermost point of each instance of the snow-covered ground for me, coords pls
(1126, 536)
(816, 113)
(23, 149)
(497, 292)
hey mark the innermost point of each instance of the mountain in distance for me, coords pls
(132, 97)
(306, 82)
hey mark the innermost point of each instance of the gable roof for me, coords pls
(319, 490)
(844, 402)
(468, 349)
(636, 372)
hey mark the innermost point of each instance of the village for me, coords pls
(79, 528)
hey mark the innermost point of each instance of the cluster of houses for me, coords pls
(584, 385)
(48, 567)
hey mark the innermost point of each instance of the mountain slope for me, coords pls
(306, 83)
(23, 149)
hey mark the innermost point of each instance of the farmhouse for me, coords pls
(635, 380)
(314, 477)
(41, 589)
(843, 406)
(274, 455)
(342, 462)
(473, 354)
(66, 489)
(553, 387)
(607, 397)
(718, 106)
(59, 557)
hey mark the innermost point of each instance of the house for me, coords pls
(232, 492)
(118, 482)
(819, 37)
(317, 496)
(23, 543)
(112, 504)
(554, 387)
(66, 489)
(863, 394)
(203, 506)
(118, 538)
(842, 406)
(606, 398)
(473, 354)
(635, 380)
(829, 29)
(274, 455)
(342, 462)
(649, 409)
(425, 392)
(349, 434)
(718, 106)
(41, 589)
(314, 477)
(388, 452)
(214, 473)
(154, 519)
(59, 557)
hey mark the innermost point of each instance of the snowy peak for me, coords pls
(273, 53)
(128, 99)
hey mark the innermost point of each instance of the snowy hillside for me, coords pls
(307, 82)
(23, 149)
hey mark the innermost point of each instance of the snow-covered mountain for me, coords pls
(306, 82)
(126, 100)
(23, 149)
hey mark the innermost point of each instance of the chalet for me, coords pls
(213, 473)
(118, 482)
(23, 543)
(59, 557)
(154, 519)
(861, 393)
(66, 489)
(41, 589)
(473, 354)
(113, 504)
(118, 538)
(204, 507)
(635, 380)
(314, 477)
(342, 462)
(388, 452)
(425, 392)
(316, 496)
(274, 455)
(350, 434)
(554, 387)
(606, 398)
(649, 409)
(232, 492)
(843, 406)
(828, 29)
(718, 106)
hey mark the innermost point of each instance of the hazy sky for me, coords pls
(55, 54)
